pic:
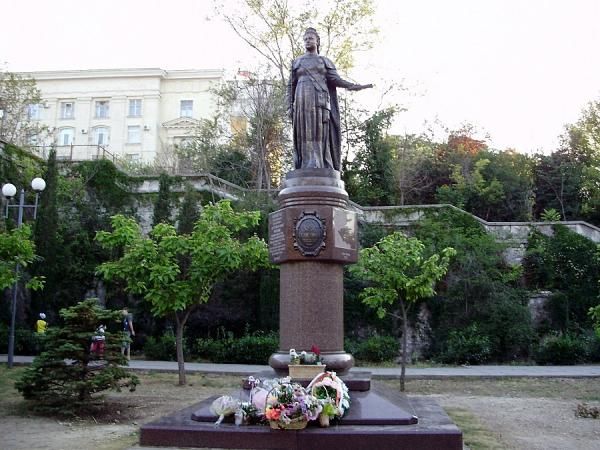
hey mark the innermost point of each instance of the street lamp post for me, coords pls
(8, 191)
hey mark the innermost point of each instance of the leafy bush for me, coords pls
(561, 349)
(507, 324)
(27, 342)
(374, 348)
(468, 346)
(255, 348)
(592, 341)
(162, 348)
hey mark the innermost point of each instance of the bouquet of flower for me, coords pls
(313, 357)
(289, 405)
(331, 393)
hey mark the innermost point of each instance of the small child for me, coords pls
(41, 324)
(98, 341)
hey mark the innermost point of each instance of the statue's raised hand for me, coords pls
(360, 87)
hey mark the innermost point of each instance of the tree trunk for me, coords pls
(404, 344)
(179, 345)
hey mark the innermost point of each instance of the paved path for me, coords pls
(580, 371)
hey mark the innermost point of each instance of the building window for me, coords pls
(33, 111)
(101, 109)
(135, 107)
(67, 110)
(187, 107)
(65, 136)
(134, 135)
(101, 136)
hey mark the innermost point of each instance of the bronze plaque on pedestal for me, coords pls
(322, 233)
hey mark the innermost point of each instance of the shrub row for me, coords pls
(255, 348)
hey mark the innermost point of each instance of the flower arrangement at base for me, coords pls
(332, 394)
(313, 357)
(290, 406)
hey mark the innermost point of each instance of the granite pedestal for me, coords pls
(311, 236)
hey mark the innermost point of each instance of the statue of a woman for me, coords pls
(313, 107)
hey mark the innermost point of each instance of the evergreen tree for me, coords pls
(46, 235)
(162, 207)
(188, 213)
(67, 376)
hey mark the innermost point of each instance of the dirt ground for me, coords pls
(530, 414)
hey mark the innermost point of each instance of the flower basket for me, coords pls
(296, 424)
(304, 371)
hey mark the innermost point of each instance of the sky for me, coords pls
(519, 70)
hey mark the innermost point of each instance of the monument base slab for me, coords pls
(362, 428)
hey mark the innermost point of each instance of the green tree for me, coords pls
(400, 275)
(177, 273)
(67, 377)
(480, 287)
(162, 207)
(46, 232)
(19, 99)
(17, 249)
(370, 178)
(188, 213)
(567, 264)
(412, 156)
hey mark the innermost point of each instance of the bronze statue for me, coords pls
(313, 107)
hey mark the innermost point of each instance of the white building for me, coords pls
(137, 114)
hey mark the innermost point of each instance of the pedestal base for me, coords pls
(434, 428)
(339, 362)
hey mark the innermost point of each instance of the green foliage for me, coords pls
(67, 377)
(17, 248)
(561, 349)
(507, 322)
(399, 271)
(233, 166)
(18, 167)
(594, 313)
(176, 273)
(468, 346)
(75, 205)
(47, 235)
(374, 348)
(479, 287)
(188, 213)
(567, 264)
(162, 207)
(162, 348)
(253, 348)
(370, 178)
(550, 215)
(27, 342)
(399, 275)
(18, 125)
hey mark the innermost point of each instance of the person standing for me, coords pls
(128, 330)
(41, 325)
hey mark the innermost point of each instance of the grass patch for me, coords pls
(475, 435)
(582, 389)
(11, 401)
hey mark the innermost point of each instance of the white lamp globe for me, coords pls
(38, 184)
(9, 190)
